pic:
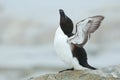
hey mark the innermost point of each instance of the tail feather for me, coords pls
(88, 66)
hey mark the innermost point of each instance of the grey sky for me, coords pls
(46, 11)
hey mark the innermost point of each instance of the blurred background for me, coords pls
(27, 30)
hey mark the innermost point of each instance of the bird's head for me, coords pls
(66, 23)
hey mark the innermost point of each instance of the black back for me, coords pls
(66, 23)
(81, 55)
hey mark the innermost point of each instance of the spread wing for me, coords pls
(83, 30)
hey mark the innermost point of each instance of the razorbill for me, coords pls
(69, 45)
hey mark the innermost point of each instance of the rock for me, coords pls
(108, 73)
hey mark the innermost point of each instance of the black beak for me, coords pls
(62, 14)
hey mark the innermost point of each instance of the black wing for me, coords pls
(80, 54)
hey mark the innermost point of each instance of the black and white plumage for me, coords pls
(69, 45)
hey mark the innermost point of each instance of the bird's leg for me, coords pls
(71, 69)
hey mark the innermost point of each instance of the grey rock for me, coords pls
(108, 73)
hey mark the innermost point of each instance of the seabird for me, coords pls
(69, 45)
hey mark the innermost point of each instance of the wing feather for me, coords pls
(83, 30)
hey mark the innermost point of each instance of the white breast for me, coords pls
(63, 49)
